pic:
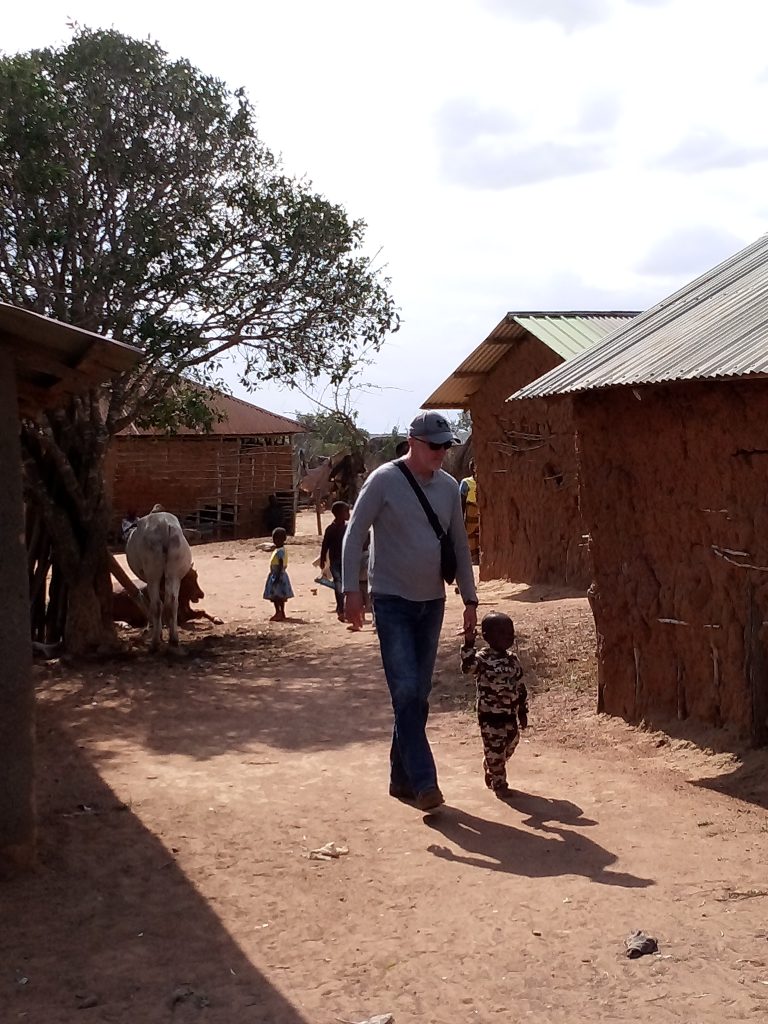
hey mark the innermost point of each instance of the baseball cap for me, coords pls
(432, 426)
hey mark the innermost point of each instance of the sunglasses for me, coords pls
(445, 445)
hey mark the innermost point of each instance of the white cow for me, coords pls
(158, 553)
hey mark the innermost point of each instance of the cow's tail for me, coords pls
(168, 537)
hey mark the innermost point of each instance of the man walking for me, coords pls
(408, 590)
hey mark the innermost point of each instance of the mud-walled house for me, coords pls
(217, 482)
(672, 419)
(530, 529)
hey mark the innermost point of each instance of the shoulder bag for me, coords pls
(447, 552)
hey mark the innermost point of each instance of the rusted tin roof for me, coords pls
(566, 333)
(714, 328)
(54, 360)
(239, 418)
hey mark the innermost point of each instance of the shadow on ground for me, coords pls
(748, 781)
(109, 929)
(224, 694)
(544, 592)
(548, 851)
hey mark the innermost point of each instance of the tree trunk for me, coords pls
(89, 625)
(64, 459)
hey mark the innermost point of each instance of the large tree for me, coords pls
(137, 200)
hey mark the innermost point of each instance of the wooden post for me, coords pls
(319, 520)
(17, 694)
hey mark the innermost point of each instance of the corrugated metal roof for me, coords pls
(54, 360)
(566, 333)
(240, 418)
(715, 327)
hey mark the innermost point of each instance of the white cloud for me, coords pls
(494, 166)
(690, 251)
(709, 149)
(460, 121)
(600, 113)
(571, 14)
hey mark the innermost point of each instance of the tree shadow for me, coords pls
(228, 693)
(499, 847)
(110, 923)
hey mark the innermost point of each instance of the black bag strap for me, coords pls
(434, 522)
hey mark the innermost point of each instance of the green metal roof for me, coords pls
(566, 333)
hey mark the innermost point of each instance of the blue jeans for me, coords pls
(409, 632)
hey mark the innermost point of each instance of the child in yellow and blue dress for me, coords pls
(278, 588)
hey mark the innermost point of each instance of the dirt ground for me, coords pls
(179, 798)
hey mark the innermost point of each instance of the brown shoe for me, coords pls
(430, 799)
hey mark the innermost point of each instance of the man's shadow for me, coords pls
(499, 847)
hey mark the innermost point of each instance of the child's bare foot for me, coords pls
(353, 629)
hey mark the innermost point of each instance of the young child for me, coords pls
(502, 699)
(333, 538)
(278, 589)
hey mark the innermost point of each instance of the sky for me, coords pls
(505, 154)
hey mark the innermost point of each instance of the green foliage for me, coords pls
(383, 448)
(137, 199)
(328, 432)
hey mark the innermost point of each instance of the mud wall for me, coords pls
(673, 490)
(217, 484)
(530, 527)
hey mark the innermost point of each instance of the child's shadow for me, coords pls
(499, 847)
(540, 809)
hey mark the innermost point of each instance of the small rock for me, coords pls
(87, 1002)
(639, 944)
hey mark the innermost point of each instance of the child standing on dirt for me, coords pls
(333, 538)
(502, 699)
(278, 588)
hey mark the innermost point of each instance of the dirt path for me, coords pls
(179, 799)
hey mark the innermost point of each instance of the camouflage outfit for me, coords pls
(502, 701)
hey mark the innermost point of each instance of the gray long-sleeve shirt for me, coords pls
(405, 553)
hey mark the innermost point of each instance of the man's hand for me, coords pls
(354, 610)
(470, 621)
